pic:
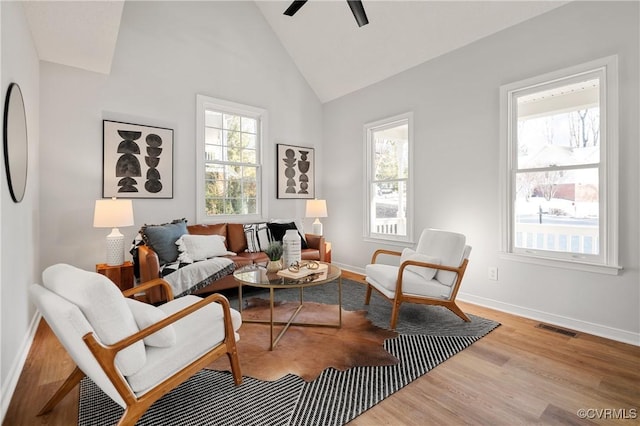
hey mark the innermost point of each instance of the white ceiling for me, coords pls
(80, 34)
(334, 55)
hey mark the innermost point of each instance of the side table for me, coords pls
(121, 275)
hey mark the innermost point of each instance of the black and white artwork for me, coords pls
(296, 171)
(137, 161)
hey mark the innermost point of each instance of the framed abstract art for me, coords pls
(137, 161)
(296, 171)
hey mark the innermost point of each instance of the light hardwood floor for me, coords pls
(518, 374)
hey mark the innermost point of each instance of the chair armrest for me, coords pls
(149, 263)
(383, 251)
(106, 354)
(317, 242)
(148, 285)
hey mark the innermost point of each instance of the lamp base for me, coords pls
(115, 248)
(317, 227)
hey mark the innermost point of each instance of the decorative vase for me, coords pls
(274, 265)
(291, 247)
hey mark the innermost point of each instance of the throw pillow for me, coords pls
(193, 248)
(147, 315)
(279, 229)
(426, 273)
(162, 239)
(257, 235)
(104, 307)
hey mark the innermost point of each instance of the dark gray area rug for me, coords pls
(427, 336)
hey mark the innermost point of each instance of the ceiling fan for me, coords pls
(356, 8)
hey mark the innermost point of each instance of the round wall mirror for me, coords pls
(15, 142)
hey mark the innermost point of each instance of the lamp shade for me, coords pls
(316, 208)
(113, 213)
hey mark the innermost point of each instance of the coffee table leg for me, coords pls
(271, 318)
(240, 298)
(340, 301)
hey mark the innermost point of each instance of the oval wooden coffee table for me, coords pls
(257, 276)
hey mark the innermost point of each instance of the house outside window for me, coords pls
(229, 170)
(560, 157)
(389, 203)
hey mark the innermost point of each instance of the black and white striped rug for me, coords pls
(334, 398)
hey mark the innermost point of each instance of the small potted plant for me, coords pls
(274, 252)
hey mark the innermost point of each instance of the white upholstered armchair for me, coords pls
(429, 275)
(133, 351)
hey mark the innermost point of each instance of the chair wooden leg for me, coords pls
(70, 383)
(394, 313)
(235, 367)
(456, 310)
(367, 296)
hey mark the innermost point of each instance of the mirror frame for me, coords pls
(16, 152)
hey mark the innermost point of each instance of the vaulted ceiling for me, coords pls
(334, 55)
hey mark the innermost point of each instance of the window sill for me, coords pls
(564, 264)
(390, 242)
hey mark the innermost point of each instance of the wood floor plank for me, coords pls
(518, 374)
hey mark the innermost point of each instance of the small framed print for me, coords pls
(296, 171)
(137, 161)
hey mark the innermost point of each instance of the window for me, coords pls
(560, 152)
(388, 182)
(229, 140)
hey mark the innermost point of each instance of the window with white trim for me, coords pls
(228, 151)
(560, 158)
(388, 181)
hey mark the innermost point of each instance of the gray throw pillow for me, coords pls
(162, 239)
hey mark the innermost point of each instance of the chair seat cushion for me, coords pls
(196, 334)
(383, 278)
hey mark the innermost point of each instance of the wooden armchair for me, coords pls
(109, 337)
(430, 275)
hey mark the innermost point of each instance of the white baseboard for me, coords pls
(616, 334)
(9, 386)
(561, 321)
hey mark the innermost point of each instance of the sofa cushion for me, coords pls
(193, 248)
(209, 229)
(103, 305)
(236, 239)
(279, 229)
(162, 239)
(147, 315)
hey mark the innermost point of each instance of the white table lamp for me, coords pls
(113, 213)
(317, 209)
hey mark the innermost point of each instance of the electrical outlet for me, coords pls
(493, 273)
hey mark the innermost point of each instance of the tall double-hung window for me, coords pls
(229, 171)
(388, 145)
(560, 157)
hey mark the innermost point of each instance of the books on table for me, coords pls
(303, 272)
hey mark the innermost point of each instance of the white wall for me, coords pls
(18, 221)
(167, 52)
(456, 104)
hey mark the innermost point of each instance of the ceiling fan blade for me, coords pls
(358, 12)
(294, 7)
